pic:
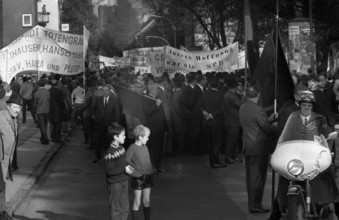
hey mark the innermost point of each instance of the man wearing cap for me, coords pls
(9, 138)
(305, 124)
(258, 144)
(232, 101)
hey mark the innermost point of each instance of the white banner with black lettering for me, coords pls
(216, 60)
(42, 49)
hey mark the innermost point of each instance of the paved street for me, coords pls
(74, 188)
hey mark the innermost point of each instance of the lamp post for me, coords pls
(147, 38)
(173, 27)
(43, 17)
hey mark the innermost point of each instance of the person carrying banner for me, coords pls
(155, 120)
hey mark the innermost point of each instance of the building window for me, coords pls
(27, 20)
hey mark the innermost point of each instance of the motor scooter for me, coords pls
(300, 161)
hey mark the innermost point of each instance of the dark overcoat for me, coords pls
(57, 109)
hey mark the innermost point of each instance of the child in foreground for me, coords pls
(116, 173)
(138, 157)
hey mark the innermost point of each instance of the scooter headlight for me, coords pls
(295, 167)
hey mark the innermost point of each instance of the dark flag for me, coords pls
(132, 102)
(250, 54)
(264, 75)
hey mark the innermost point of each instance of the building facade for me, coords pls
(17, 17)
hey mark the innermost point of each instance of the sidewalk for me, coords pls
(33, 158)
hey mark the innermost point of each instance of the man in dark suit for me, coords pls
(155, 120)
(196, 118)
(188, 100)
(212, 107)
(232, 101)
(56, 111)
(189, 91)
(105, 112)
(258, 144)
(164, 95)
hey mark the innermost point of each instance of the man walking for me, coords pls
(57, 111)
(41, 105)
(26, 93)
(9, 138)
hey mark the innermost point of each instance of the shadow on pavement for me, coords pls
(51, 216)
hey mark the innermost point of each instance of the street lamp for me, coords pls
(147, 38)
(173, 27)
(43, 17)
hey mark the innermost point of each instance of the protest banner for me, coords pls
(156, 61)
(216, 60)
(42, 49)
(138, 56)
(114, 61)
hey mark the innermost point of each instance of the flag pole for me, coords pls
(276, 57)
(275, 91)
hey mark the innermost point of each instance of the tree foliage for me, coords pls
(79, 13)
(121, 28)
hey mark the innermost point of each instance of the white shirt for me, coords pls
(106, 100)
(202, 88)
(78, 95)
(307, 118)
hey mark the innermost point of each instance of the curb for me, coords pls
(35, 176)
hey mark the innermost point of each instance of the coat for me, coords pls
(325, 105)
(179, 115)
(8, 141)
(155, 118)
(257, 130)
(212, 102)
(109, 112)
(57, 109)
(232, 102)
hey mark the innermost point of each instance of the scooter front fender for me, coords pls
(294, 190)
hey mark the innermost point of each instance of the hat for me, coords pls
(41, 83)
(231, 82)
(14, 98)
(251, 92)
(307, 97)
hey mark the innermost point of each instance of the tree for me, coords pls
(79, 13)
(122, 26)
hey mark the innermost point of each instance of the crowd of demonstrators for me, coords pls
(196, 113)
